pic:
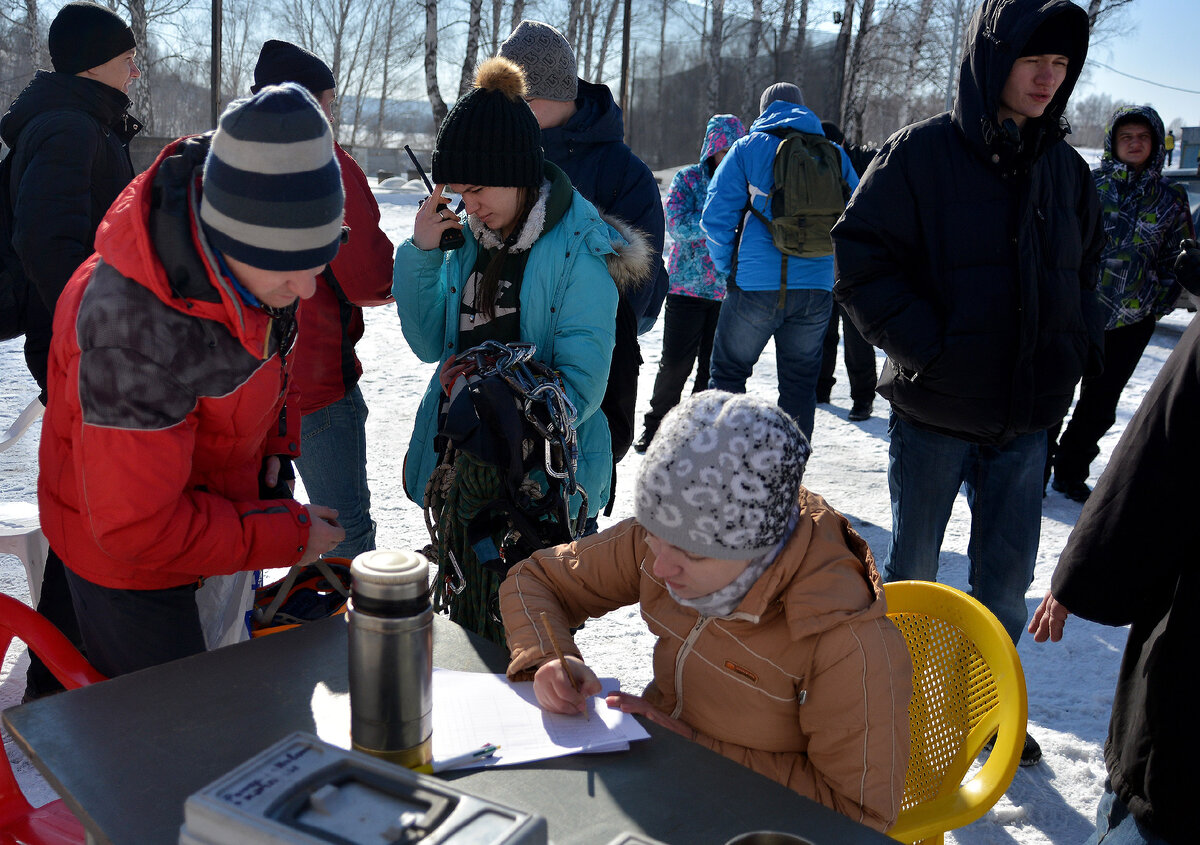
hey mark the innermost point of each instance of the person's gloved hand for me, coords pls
(1187, 266)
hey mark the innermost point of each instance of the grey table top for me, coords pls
(125, 754)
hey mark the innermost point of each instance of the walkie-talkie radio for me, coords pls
(451, 238)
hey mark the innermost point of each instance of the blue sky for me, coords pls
(1156, 40)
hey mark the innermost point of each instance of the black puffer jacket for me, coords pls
(1130, 561)
(70, 137)
(969, 251)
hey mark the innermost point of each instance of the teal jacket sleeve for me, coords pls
(419, 286)
(585, 330)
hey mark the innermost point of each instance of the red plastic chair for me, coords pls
(20, 822)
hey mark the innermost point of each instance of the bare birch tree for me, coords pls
(471, 52)
(436, 103)
(716, 41)
(749, 103)
(854, 94)
(799, 52)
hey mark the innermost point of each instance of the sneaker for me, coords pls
(860, 411)
(1031, 752)
(644, 442)
(1076, 491)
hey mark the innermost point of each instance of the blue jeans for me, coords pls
(1004, 490)
(1115, 825)
(333, 466)
(749, 318)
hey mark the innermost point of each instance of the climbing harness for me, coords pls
(505, 477)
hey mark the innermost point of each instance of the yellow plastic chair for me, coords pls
(967, 687)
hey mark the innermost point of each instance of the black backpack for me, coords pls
(14, 286)
(808, 197)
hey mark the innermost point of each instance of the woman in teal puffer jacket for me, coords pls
(539, 265)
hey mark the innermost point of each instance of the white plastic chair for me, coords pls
(21, 535)
(21, 424)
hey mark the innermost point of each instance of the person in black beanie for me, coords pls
(333, 439)
(538, 266)
(69, 132)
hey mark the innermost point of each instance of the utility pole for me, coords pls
(215, 69)
(625, 58)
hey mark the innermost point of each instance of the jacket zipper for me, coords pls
(681, 657)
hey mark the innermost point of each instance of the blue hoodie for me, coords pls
(748, 170)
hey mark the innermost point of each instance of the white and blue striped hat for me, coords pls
(273, 194)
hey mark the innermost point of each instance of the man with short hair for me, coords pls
(969, 256)
(69, 131)
(770, 294)
(584, 134)
(333, 437)
(172, 416)
(1145, 217)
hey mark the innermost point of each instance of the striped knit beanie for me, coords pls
(721, 476)
(273, 194)
(490, 137)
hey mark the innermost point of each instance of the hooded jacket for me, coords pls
(689, 264)
(969, 252)
(1145, 217)
(806, 682)
(331, 321)
(591, 150)
(747, 174)
(1130, 562)
(568, 304)
(167, 394)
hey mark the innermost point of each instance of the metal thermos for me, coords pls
(391, 657)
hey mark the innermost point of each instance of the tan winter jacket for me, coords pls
(807, 682)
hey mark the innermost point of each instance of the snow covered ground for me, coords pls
(1070, 683)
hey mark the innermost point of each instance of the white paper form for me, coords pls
(471, 709)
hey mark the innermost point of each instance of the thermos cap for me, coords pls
(386, 575)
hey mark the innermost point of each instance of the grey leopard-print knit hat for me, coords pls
(721, 476)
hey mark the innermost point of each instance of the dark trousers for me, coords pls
(127, 630)
(860, 359)
(55, 604)
(689, 324)
(1096, 410)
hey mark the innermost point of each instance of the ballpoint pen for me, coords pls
(562, 660)
(462, 759)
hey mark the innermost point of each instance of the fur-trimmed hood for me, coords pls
(632, 262)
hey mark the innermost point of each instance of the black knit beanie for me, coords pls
(1055, 36)
(491, 137)
(86, 35)
(282, 61)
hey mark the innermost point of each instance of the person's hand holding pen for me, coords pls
(555, 689)
(564, 684)
(433, 218)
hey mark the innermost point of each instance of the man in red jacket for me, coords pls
(333, 439)
(173, 421)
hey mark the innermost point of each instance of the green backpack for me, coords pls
(808, 198)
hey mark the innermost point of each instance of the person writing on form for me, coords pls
(773, 645)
